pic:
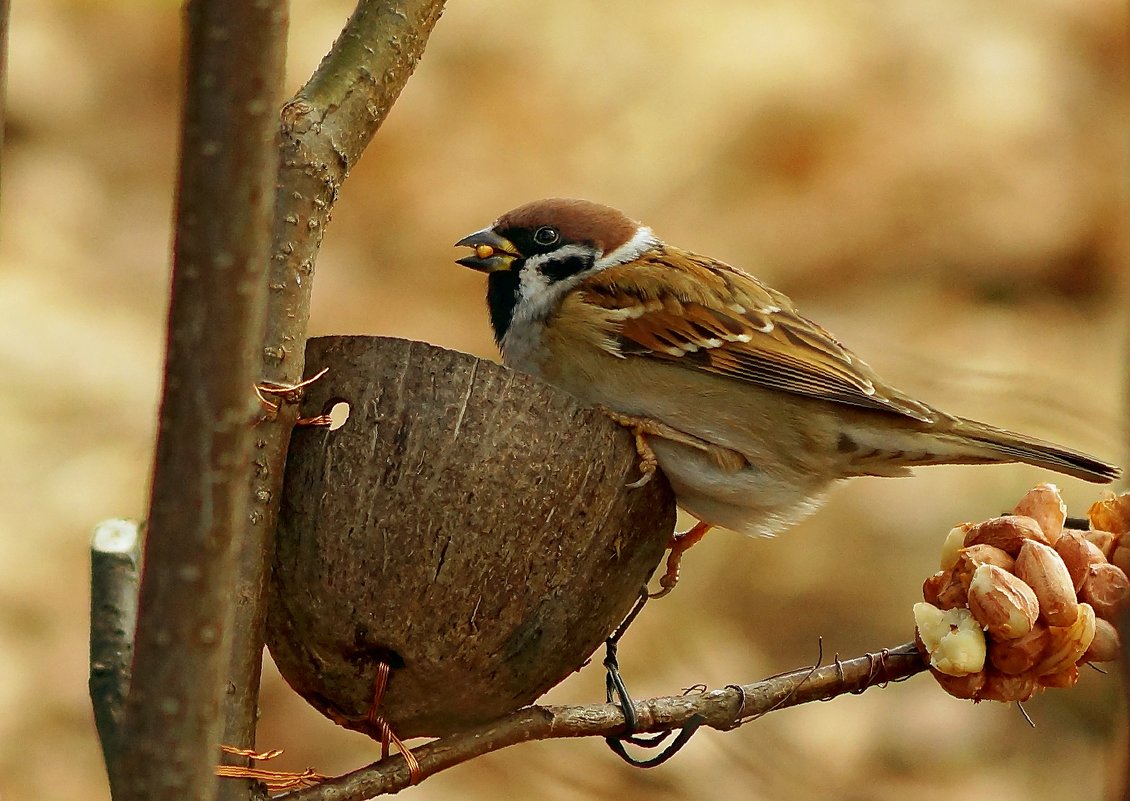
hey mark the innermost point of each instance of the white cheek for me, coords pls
(533, 285)
(538, 296)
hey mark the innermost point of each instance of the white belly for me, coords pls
(749, 500)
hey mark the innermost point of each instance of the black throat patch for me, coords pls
(502, 298)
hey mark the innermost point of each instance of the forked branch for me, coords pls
(324, 130)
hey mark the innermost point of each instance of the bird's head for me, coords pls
(535, 253)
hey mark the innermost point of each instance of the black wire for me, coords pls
(684, 735)
(615, 691)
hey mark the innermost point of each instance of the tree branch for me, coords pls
(722, 709)
(5, 16)
(234, 68)
(114, 556)
(324, 130)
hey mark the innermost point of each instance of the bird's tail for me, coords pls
(1000, 445)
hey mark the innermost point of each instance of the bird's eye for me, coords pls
(546, 235)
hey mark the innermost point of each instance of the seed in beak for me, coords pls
(484, 251)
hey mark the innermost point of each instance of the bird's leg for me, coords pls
(725, 459)
(643, 427)
(680, 544)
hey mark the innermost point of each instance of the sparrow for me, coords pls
(751, 410)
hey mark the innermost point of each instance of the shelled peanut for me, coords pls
(1021, 601)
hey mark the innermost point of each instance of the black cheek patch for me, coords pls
(560, 269)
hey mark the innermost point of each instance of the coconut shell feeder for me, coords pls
(467, 524)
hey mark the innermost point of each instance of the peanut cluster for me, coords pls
(1021, 602)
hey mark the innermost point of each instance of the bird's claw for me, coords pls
(647, 474)
(639, 427)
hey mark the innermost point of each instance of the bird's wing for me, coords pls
(702, 314)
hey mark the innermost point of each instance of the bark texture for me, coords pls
(225, 198)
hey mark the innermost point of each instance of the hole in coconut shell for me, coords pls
(367, 652)
(338, 411)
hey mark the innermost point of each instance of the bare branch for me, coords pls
(234, 69)
(721, 709)
(5, 16)
(114, 556)
(325, 128)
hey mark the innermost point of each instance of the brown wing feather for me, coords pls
(706, 315)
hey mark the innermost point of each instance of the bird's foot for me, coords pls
(680, 544)
(639, 427)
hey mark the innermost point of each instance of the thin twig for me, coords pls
(721, 709)
(234, 62)
(114, 557)
(324, 130)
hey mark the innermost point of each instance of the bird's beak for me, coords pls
(492, 252)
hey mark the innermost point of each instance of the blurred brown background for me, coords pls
(942, 184)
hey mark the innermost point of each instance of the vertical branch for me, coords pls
(5, 16)
(114, 556)
(234, 69)
(325, 128)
